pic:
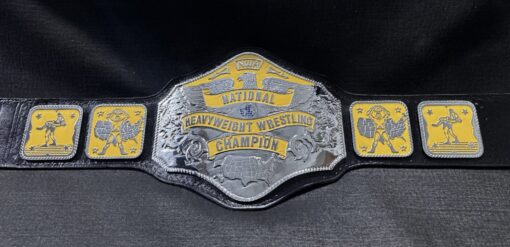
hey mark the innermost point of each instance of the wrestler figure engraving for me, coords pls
(116, 130)
(447, 123)
(381, 128)
(50, 127)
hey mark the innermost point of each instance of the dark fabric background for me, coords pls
(99, 49)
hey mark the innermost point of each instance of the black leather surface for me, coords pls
(15, 111)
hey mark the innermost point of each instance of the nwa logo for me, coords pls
(247, 126)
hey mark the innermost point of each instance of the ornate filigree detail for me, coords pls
(195, 148)
(306, 130)
(170, 134)
(302, 147)
(328, 131)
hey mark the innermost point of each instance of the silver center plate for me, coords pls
(248, 126)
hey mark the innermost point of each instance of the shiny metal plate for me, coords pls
(247, 126)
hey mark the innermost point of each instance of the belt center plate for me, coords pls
(247, 126)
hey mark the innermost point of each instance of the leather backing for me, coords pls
(493, 124)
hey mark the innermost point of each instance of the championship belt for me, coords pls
(250, 132)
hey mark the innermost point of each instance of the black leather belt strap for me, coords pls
(490, 109)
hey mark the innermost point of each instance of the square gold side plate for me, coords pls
(116, 131)
(51, 132)
(450, 129)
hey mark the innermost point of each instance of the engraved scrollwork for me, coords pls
(170, 134)
(327, 124)
(302, 146)
(188, 145)
(195, 150)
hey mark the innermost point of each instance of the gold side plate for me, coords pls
(450, 129)
(51, 132)
(116, 131)
(381, 129)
